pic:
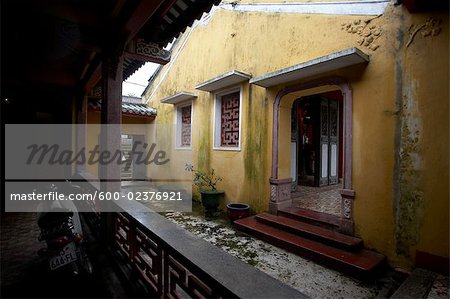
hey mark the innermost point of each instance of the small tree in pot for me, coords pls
(207, 185)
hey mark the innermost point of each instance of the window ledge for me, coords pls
(232, 149)
(328, 63)
(231, 78)
(179, 98)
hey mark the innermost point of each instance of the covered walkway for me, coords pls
(26, 275)
(149, 257)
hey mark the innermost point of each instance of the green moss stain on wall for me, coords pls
(408, 186)
(411, 201)
(204, 142)
(255, 165)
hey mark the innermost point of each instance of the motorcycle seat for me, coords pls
(56, 215)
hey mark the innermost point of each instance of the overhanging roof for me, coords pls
(228, 79)
(131, 109)
(313, 67)
(179, 97)
(69, 39)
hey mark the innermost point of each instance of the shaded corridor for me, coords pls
(26, 275)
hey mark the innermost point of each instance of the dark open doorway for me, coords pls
(316, 137)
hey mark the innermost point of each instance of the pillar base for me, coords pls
(280, 194)
(275, 206)
(346, 227)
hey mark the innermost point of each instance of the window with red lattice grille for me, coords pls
(186, 126)
(229, 120)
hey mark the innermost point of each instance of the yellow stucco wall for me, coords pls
(425, 143)
(403, 88)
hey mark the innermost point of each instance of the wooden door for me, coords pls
(328, 151)
(294, 146)
(324, 143)
(333, 117)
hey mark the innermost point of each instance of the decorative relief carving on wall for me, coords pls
(368, 33)
(280, 190)
(347, 208)
(273, 193)
(432, 27)
(285, 191)
(294, 185)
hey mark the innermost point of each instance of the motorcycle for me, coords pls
(62, 233)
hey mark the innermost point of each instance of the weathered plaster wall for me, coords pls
(221, 46)
(422, 165)
(397, 172)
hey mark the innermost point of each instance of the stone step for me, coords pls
(417, 285)
(312, 217)
(313, 232)
(362, 263)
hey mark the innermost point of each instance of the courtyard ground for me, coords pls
(306, 276)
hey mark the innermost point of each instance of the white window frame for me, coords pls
(218, 118)
(178, 125)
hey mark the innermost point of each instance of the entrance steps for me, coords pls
(312, 217)
(323, 245)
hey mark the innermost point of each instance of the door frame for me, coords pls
(316, 101)
(280, 196)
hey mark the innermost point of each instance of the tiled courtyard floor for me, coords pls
(325, 199)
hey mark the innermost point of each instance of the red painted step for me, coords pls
(312, 217)
(314, 232)
(361, 263)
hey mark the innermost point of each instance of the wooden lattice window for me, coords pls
(186, 126)
(229, 126)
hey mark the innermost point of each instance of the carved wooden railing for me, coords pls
(170, 262)
(176, 264)
(162, 268)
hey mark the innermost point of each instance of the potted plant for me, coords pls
(207, 185)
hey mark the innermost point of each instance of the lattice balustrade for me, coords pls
(181, 282)
(148, 260)
(122, 234)
(160, 268)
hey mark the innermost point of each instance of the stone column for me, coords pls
(81, 130)
(111, 119)
(110, 134)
